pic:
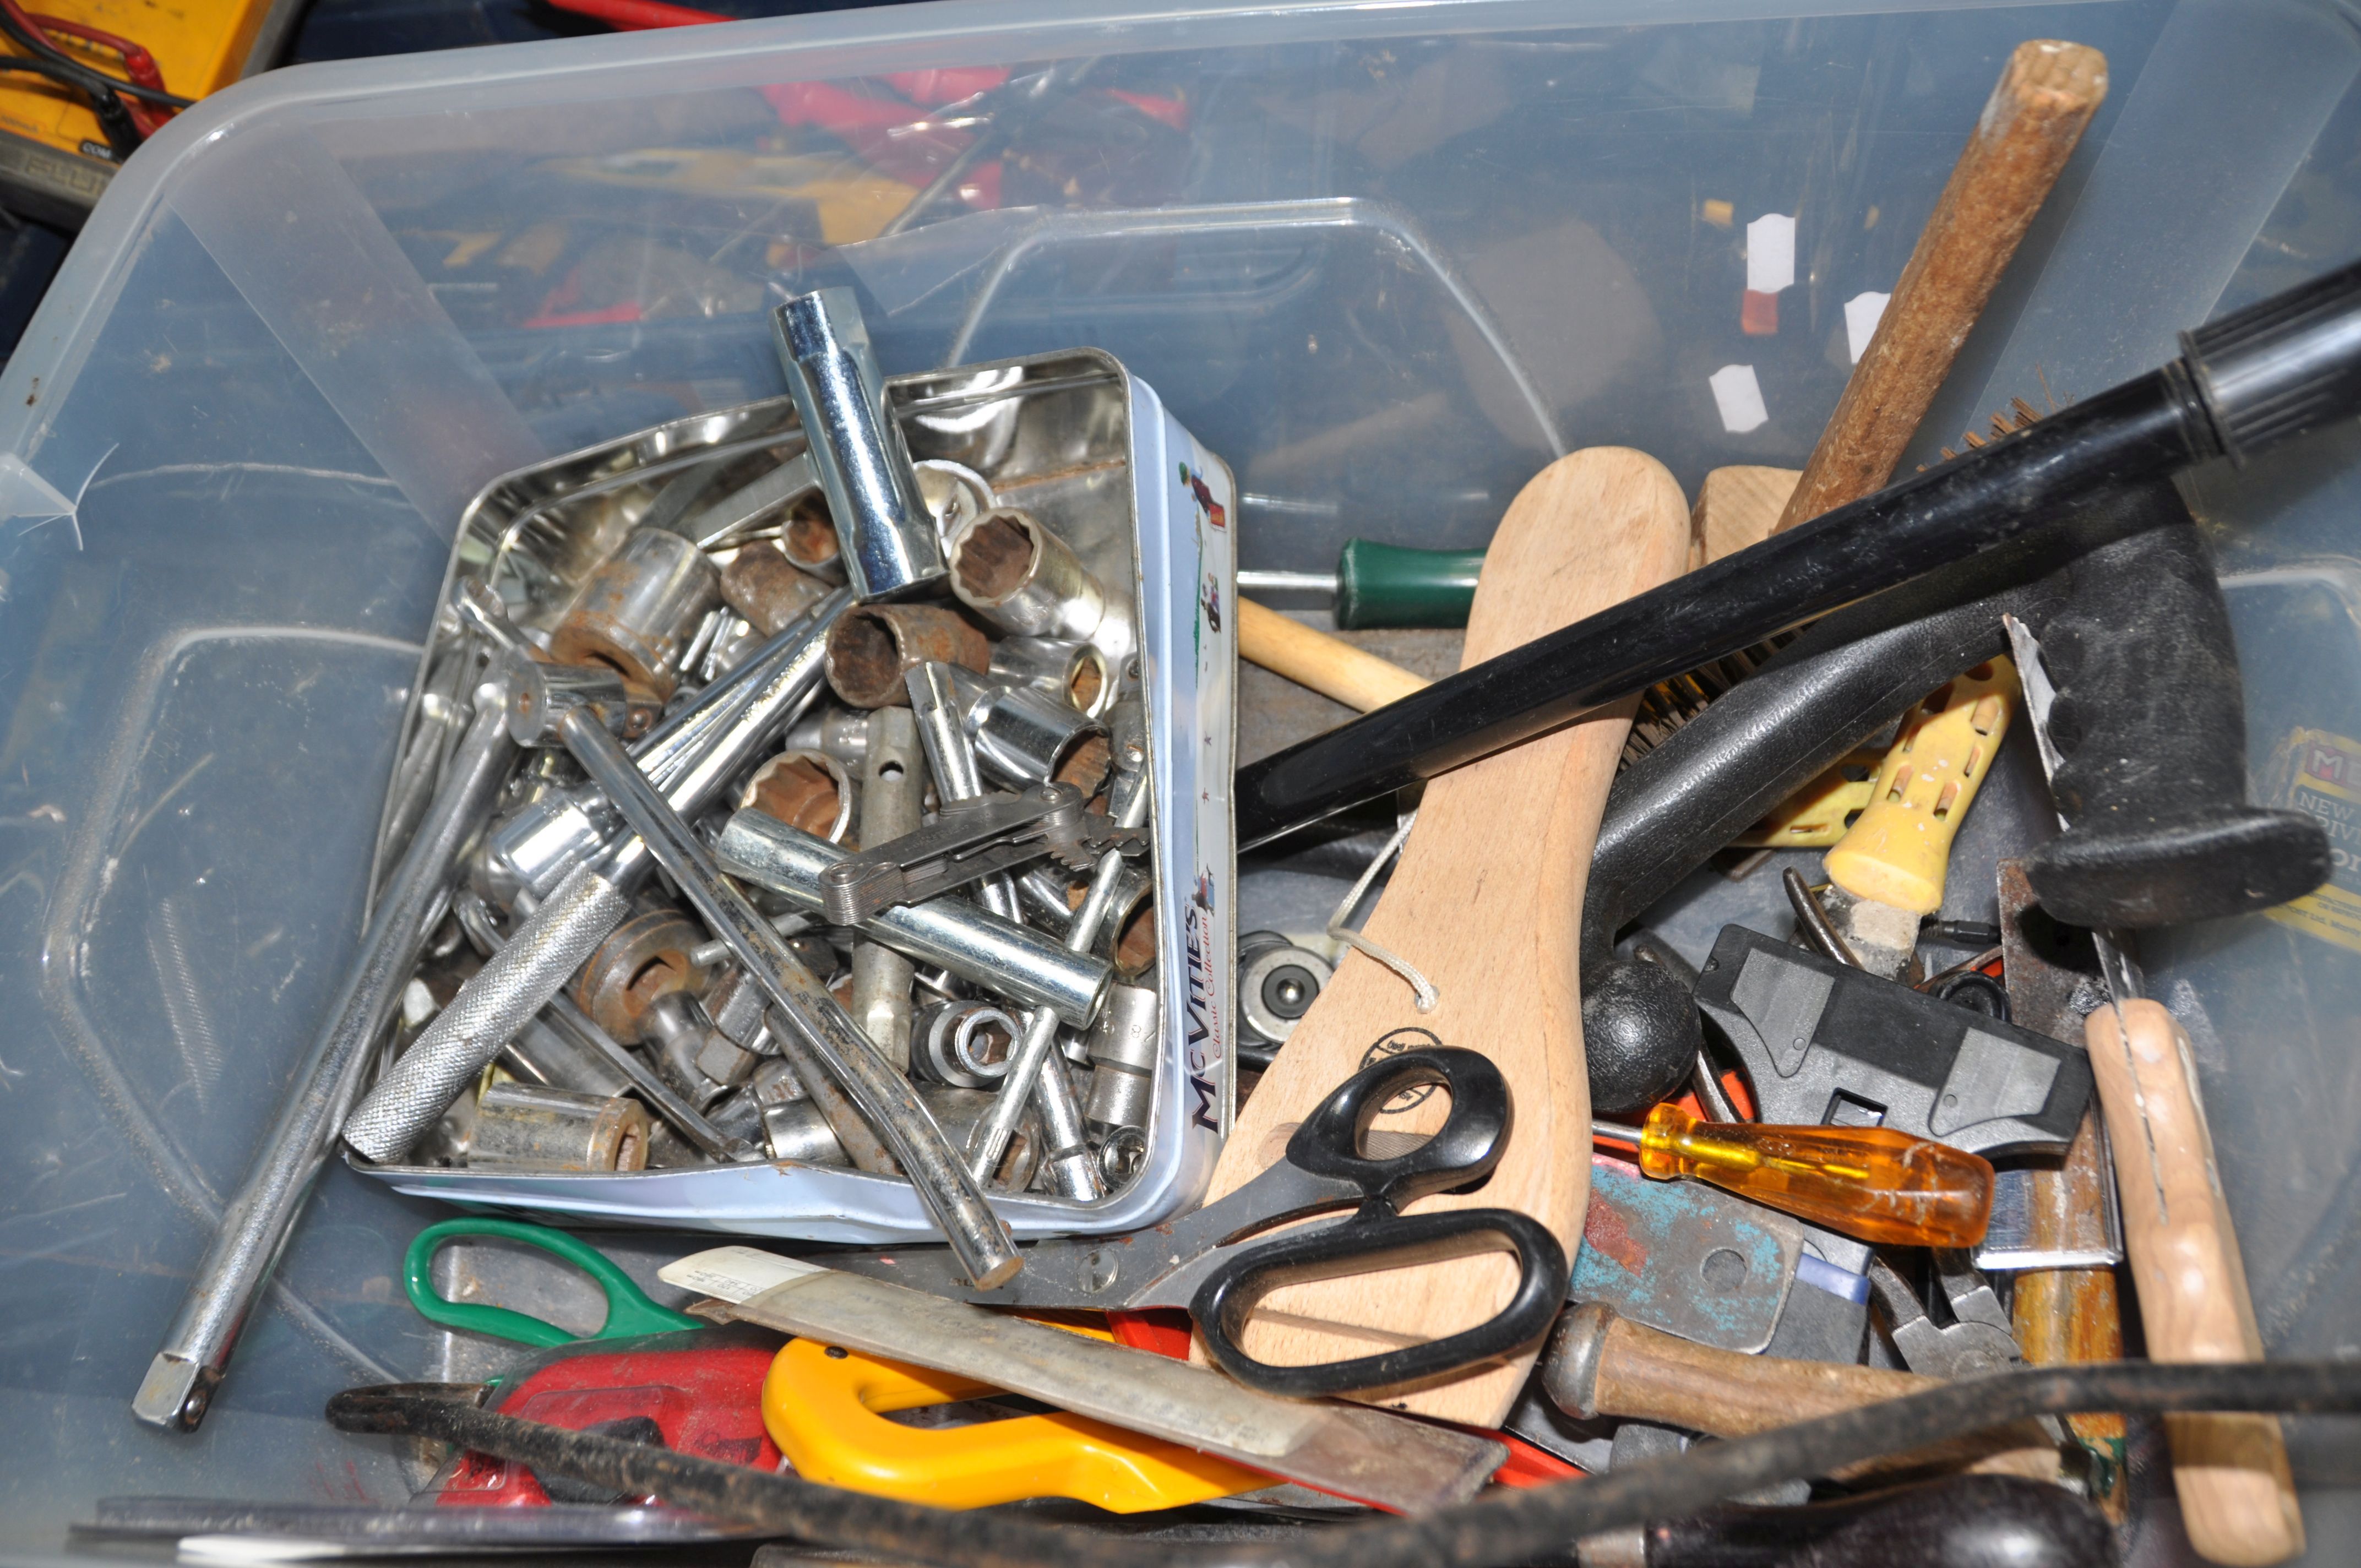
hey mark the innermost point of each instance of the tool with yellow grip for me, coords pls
(825, 1407)
(1887, 871)
(1822, 812)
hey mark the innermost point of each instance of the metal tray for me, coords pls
(1087, 448)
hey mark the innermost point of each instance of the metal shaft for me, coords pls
(977, 1236)
(892, 784)
(887, 535)
(514, 983)
(1009, 960)
(774, 703)
(256, 1224)
(951, 756)
(710, 737)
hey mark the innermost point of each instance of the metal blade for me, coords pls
(1159, 1266)
(2115, 967)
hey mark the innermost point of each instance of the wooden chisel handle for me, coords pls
(2236, 1497)
(2027, 130)
(1600, 1364)
(1329, 665)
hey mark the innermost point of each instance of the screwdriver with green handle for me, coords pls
(1376, 586)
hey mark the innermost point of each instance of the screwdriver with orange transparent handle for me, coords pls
(1875, 1183)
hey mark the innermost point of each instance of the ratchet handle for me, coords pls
(629, 1310)
(1373, 1241)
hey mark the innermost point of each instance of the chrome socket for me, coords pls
(1071, 672)
(809, 789)
(998, 955)
(1022, 735)
(1025, 579)
(887, 536)
(531, 1126)
(1124, 1046)
(638, 612)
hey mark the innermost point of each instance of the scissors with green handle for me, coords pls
(629, 1312)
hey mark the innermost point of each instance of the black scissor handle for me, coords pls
(1364, 1245)
(1470, 1144)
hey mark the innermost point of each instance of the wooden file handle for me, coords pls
(1649, 1376)
(1329, 665)
(2027, 130)
(2236, 1497)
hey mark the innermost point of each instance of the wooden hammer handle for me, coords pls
(2028, 128)
(1329, 665)
(2238, 1498)
(1649, 1376)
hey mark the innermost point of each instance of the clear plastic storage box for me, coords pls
(1386, 260)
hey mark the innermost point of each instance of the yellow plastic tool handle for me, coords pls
(1896, 851)
(1875, 1183)
(1819, 814)
(825, 1408)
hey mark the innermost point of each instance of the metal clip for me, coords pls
(971, 839)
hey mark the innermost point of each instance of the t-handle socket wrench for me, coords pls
(255, 1226)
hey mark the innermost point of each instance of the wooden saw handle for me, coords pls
(1486, 906)
(2045, 96)
(2238, 1498)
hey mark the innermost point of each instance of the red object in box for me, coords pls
(705, 1397)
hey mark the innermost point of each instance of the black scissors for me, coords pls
(1210, 1262)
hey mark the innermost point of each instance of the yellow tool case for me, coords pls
(55, 155)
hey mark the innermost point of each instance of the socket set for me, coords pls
(932, 749)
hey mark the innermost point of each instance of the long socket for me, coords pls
(892, 784)
(885, 532)
(1032, 1065)
(978, 1237)
(553, 942)
(255, 1226)
(950, 757)
(1008, 960)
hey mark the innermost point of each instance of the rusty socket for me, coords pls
(874, 645)
(645, 958)
(806, 789)
(639, 611)
(765, 587)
